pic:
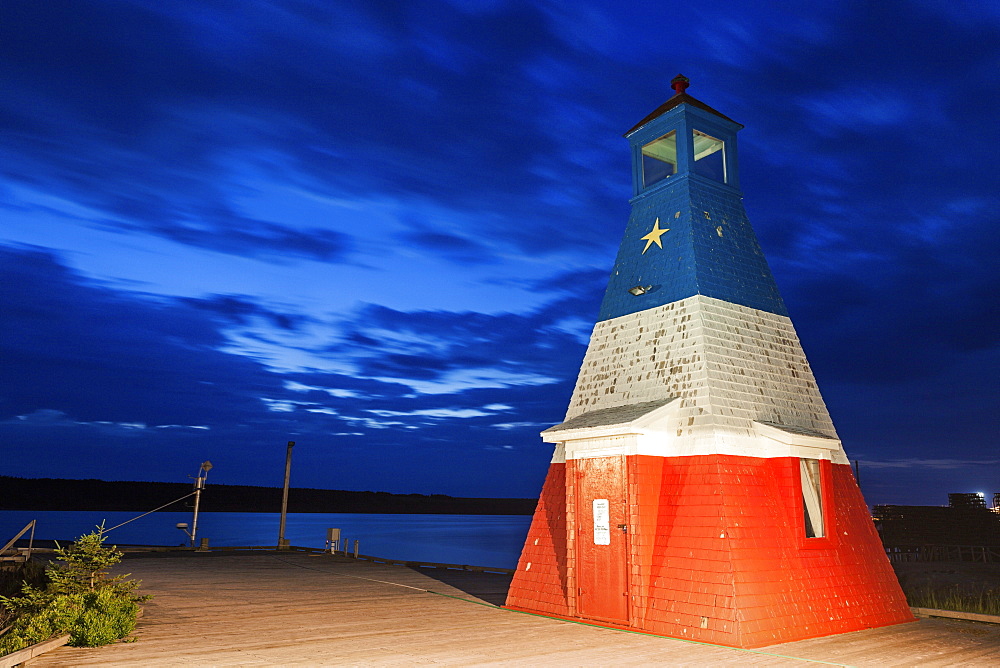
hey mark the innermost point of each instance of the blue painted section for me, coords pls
(710, 248)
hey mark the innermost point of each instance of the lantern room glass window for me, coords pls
(812, 497)
(659, 159)
(709, 156)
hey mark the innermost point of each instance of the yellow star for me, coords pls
(654, 236)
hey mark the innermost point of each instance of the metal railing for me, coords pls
(974, 553)
(22, 555)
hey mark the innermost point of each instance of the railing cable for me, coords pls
(151, 511)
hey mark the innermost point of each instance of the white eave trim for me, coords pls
(821, 443)
(592, 432)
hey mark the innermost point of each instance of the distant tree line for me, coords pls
(67, 494)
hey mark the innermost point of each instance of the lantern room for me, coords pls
(683, 137)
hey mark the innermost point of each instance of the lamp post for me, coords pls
(284, 496)
(199, 484)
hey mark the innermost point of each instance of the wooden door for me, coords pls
(602, 539)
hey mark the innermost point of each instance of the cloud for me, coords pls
(853, 110)
(454, 247)
(156, 124)
(444, 353)
(47, 418)
(467, 379)
(237, 309)
(233, 234)
(100, 355)
(147, 380)
(520, 425)
(295, 386)
(460, 413)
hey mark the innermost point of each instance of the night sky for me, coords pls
(383, 230)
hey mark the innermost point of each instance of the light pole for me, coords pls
(199, 484)
(284, 496)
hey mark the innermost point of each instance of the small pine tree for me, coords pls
(85, 565)
(80, 599)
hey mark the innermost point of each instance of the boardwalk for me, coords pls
(314, 610)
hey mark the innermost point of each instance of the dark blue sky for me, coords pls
(383, 229)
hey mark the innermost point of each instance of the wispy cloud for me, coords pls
(506, 426)
(46, 418)
(461, 380)
(460, 413)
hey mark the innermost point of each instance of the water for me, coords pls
(477, 540)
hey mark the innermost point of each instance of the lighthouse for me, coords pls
(698, 488)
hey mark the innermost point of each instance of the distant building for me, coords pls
(965, 521)
(967, 500)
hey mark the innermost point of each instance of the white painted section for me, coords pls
(729, 368)
(601, 446)
(602, 522)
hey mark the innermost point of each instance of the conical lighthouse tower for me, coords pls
(698, 487)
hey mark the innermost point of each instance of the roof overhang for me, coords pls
(638, 418)
(676, 101)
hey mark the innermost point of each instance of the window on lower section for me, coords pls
(659, 159)
(709, 156)
(812, 497)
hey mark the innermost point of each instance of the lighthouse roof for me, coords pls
(607, 417)
(679, 84)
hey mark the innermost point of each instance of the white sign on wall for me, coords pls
(602, 522)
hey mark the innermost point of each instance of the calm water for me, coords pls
(478, 540)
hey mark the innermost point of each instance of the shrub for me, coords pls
(13, 577)
(983, 602)
(106, 617)
(80, 599)
(37, 623)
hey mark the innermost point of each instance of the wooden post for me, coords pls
(282, 544)
(199, 484)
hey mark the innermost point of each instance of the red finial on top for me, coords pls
(680, 83)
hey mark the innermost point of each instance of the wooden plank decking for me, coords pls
(284, 609)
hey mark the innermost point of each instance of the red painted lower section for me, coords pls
(717, 552)
(540, 583)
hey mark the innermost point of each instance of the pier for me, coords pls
(294, 608)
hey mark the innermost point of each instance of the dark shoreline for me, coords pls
(69, 494)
